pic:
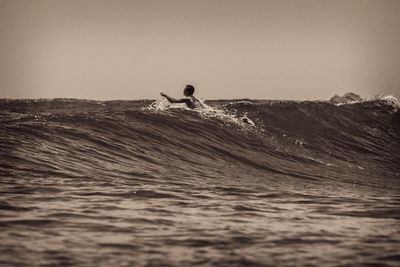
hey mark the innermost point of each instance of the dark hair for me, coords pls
(190, 89)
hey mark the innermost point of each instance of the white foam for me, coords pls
(392, 100)
(389, 99)
(205, 111)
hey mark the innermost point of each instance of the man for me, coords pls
(189, 99)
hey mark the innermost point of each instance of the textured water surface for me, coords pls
(127, 183)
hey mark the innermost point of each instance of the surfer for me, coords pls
(189, 99)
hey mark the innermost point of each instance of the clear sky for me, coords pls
(298, 49)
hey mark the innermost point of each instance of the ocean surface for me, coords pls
(239, 183)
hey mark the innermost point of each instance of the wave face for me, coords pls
(240, 183)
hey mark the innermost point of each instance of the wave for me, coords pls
(145, 141)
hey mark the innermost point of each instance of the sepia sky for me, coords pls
(298, 49)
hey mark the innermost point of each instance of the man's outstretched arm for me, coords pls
(173, 100)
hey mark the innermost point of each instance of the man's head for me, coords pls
(189, 90)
